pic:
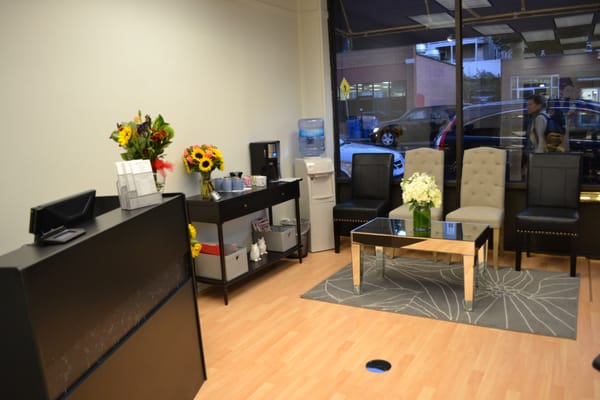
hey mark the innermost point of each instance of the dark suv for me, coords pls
(416, 128)
(503, 125)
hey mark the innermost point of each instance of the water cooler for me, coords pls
(264, 159)
(317, 198)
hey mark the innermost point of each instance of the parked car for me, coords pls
(416, 128)
(347, 149)
(503, 125)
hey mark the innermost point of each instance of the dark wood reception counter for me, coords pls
(110, 315)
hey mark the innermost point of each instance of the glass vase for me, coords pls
(206, 185)
(159, 181)
(422, 221)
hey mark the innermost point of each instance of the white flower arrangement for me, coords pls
(420, 190)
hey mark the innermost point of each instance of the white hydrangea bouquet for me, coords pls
(420, 190)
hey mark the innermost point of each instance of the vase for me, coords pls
(422, 221)
(159, 181)
(206, 185)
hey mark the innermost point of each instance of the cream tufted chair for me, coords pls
(425, 160)
(482, 192)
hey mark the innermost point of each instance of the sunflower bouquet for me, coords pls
(204, 159)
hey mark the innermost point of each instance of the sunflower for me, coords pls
(197, 154)
(205, 165)
(124, 135)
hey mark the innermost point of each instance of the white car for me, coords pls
(347, 149)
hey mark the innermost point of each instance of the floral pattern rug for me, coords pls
(532, 301)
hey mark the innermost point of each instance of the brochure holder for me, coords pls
(135, 184)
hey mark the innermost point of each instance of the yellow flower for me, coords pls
(197, 154)
(205, 165)
(124, 135)
(192, 230)
(196, 248)
(187, 166)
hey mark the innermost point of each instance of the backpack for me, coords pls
(555, 135)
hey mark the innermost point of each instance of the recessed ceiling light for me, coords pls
(490, 30)
(466, 4)
(439, 20)
(538, 36)
(573, 40)
(573, 20)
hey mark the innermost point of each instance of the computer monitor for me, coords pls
(50, 222)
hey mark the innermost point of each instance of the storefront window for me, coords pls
(400, 58)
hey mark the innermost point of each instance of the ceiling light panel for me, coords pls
(578, 39)
(574, 51)
(466, 4)
(490, 30)
(573, 20)
(538, 36)
(439, 20)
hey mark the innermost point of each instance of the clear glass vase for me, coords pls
(206, 185)
(422, 221)
(160, 181)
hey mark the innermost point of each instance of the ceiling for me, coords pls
(534, 25)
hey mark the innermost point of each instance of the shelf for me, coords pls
(267, 260)
(236, 205)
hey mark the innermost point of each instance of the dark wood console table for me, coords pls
(237, 204)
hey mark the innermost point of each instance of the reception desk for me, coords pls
(110, 315)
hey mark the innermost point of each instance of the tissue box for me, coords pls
(280, 238)
(209, 265)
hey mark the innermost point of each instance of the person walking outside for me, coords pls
(536, 138)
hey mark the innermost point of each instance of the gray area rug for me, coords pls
(532, 301)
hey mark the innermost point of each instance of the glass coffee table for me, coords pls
(466, 239)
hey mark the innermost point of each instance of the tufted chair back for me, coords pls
(425, 160)
(483, 177)
(482, 192)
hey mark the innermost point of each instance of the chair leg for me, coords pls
(336, 236)
(572, 245)
(518, 246)
(496, 234)
(501, 243)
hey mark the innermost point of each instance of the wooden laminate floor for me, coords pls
(268, 343)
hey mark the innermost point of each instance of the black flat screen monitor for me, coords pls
(50, 220)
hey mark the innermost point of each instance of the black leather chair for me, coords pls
(553, 186)
(371, 192)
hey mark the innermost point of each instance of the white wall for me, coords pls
(224, 72)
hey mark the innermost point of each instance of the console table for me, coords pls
(237, 204)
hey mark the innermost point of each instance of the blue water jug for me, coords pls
(311, 136)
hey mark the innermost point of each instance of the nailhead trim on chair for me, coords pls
(549, 233)
(349, 220)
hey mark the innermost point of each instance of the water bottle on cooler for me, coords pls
(311, 136)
